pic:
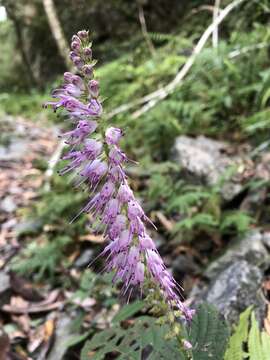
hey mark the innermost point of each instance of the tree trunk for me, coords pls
(57, 31)
(144, 29)
(33, 81)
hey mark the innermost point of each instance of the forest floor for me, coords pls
(46, 318)
(32, 316)
(25, 142)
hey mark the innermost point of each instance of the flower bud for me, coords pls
(93, 86)
(87, 70)
(75, 38)
(186, 344)
(77, 62)
(68, 77)
(77, 81)
(88, 52)
(83, 34)
(73, 55)
(75, 46)
(113, 135)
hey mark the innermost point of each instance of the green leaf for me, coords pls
(209, 334)
(144, 336)
(235, 349)
(128, 311)
(254, 341)
(265, 344)
(76, 339)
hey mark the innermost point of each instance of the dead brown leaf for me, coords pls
(267, 320)
(24, 288)
(23, 321)
(4, 346)
(98, 239)
(168, 224)
(19, 306)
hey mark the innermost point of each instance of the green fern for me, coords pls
(209, 334)
(184, 202)
(146, 339)
(42, 260)
(202, 220)
(237, 220)
(248, 336)
(160, 38)
(235, 350)
(145, 336)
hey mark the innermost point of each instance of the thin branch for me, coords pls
(144, 29)
(151, 99)
(215, 31)
(162, 93)
(246, 49)
(57, 31)
(51, 165)
(199, 9)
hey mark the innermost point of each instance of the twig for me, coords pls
(57, 31)
(52, 163)
(162, 93)
(144, 29)
(246, 49)
(200, 8)
(150, 100)
(215, 31)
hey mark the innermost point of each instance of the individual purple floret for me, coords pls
(99, 163)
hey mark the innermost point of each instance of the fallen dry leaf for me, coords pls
(267, 320)
(23, 321)
(19, 306)
(168, 224)
(24, 288)
(86, 304)
(4, 346)
(98, 239)
(49, 329)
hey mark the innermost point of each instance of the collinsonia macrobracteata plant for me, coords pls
(99, 163)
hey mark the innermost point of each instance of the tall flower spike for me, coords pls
(99, 162)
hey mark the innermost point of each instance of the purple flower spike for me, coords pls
(93, 86)
(88, 52)
(99, 162)
(83, 34)
(92, 148)
(113, 135)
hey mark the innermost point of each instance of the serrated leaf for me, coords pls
(209, 334)
(128, 310)
(131, 343)
(235, 348)
(254, 341)
(265, 344)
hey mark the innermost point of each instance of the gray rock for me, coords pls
(236, 278)
(85, 258)
(15, 151)
(250, 248)
(266, 239)
(63, 335)
(28, 227)
(205, 160)
(184, 264)
(4, 288)
(4, 282)
(8, 205)
(236, 288)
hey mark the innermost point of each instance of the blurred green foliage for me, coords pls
(225, 96)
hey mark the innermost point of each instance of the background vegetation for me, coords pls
(225, 96)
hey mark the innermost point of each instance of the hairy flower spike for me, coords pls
(99, 163)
